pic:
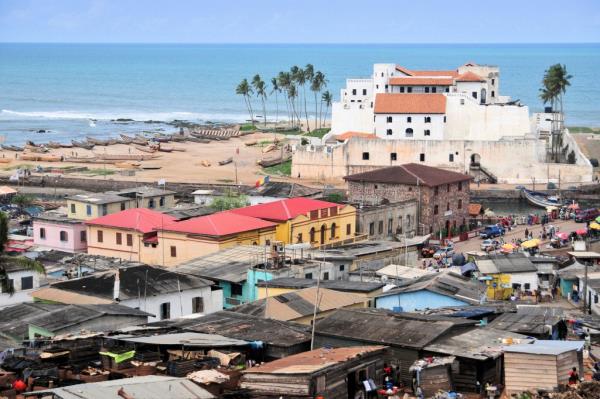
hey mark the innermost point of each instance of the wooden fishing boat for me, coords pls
(127, 165)
(250, 143)
(41, 158)
(53, 144)
(269, 148)
(161, 138)
(198, 140)
(178, 138)
(38, 150)
(151, 167)
(539, 199)
(273, 161)
(66, 145)
(164, 148)
(82, 144)
(83, 160)
(126, 157)
(141, 138)
(12, 148)
(178, 149)
(145, 148)
(226, 161)
(31, 144)
(126, 139)
(96, 141)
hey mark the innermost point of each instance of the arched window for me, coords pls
(333, 227)
(312, 234)
(409, 132)
(64, 236)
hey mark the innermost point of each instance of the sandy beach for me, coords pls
(172, 166)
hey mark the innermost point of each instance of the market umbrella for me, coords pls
(508, 247)
(598, 219)
(573, 206)
(562, 235)
(595, 226)
(581, 232)
(531, 243)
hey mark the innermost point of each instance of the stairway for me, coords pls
(482, 174)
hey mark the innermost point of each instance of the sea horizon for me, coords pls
(60, 87)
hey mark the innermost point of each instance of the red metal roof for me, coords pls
(469, 77)
(286, 209)
(406, 71)
(388, 103)
(138, 219)
(219, 224)
(348, 135)
(421, 81)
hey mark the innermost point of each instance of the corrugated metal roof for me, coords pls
(313, 361)
(338, 285)
(184, 338)
(147, 387)
(546, 347)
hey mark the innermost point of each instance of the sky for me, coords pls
(300, 21)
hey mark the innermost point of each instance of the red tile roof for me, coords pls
(393, 103)
(283, 210)
(469, 77)
(406, 71)
(410, 174)
(138, 219)
(348, 135)
(219, 224)
(429, 81)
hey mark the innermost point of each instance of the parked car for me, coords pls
(489, 245)
(491, 231)
(444, 252)
(586, 215)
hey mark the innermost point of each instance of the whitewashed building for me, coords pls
(23, 281)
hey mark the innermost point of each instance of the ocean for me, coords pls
(74, 90)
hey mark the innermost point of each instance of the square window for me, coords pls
(165, 310)
(426, 89)
(129, 240)
(422, 157)
(389, 119)
(308, 276)
(364, 92)
(434, 89)
(427, 132)
(100, 236)
(72, 208)
(236, 289)
(401, 89)
(409, 119)
(83, 236)
(27, 283)
(348, 229)
(173, 251)
(342, 267)
(393, 156)
(119, 238)
(365, 156)
(409, 89)
(88, 210)
(389, 132)
(197, 304)
(64, 237)
(326, 276)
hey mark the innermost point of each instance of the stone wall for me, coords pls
(511, 161)
(384, 222)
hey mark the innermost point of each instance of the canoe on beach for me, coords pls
(164, 148)
(226, 161)
(126, 139)
(139, 137)
(274, 161)
(12, 148)
(96, 141)
(198, 140)
(36, 149)
(126, 157)
(82, 144)
(144, 148)
(41, 158)
(127, 165)
(250, 143)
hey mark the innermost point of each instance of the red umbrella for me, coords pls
(562, 235)
(581, 232)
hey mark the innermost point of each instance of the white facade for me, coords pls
(21, 280)
(528, 280)
(410, 126)
(180, 304)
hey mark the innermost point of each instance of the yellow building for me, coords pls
(306, 220)
(94, 205)
(129, 235)
(181, 241)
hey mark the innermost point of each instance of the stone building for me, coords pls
(385, 221)
(442, 196)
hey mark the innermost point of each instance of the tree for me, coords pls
(300, 78)
(229, 201)
(275, 89)
(317, 84)
(245, 90)
(284, 80)
(554, 86)
(292, 95)
(327, 99)
(22, 201)
(10, 262)
(309, 74)
(261, 92)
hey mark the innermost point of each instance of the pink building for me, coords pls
(56, 231)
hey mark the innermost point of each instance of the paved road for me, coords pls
(474, 244)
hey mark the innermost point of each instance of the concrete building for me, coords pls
(93, 205)
(305, 220)
(23, 281)
(386, 221)
(455, 119)
(162, 293)
(55, 230)
(442, 196)
(508, 275)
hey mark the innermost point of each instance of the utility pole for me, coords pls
(314, 320)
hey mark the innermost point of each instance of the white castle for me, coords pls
(455, 119)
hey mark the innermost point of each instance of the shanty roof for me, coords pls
(219, 224)
(301, 303)
(57, 217)
(147, 387)
(97, 198)
(443, 283)
(422, 81)
(348, 135)
(403, 272)
(314, 361)
(144, 192)
(285, 209)
(585, 254)
(410, 174)
(5, 190)
(62, 296)
(403, 103)
(525, 322)
(576, 270)
(280, 189)
(379, 326)
(469, 77)
(133, 280)
(513, 263)
(183, 338)
(546, 347)
(15, 320)
(138, 219)
(477, 344)
(338, 285)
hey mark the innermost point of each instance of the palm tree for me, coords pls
(245, 90)
(316, 85)
(300, 78)
(276, 90)
(555, 83)
(292, 95)
(261, 92)
(283, 80)
(10, 262)
(327, 98)
(309, 75)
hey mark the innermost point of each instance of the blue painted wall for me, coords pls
(418, 300)
(566, 287)
(249, 291)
